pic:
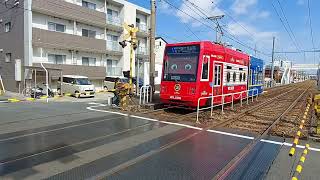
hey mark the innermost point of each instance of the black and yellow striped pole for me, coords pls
(296, 139)
(300, 163)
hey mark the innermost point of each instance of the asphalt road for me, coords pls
(66, 140)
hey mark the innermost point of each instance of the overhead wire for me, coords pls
(311, 30)
(290, 29)
(285, 27)
(210, 27)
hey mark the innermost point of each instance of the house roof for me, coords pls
(162, 39)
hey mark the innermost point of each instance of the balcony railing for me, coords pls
(113, 46)
(142, 50)
(114, 71)
(142, 27)
(113, 20)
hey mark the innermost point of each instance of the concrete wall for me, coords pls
(11, 42)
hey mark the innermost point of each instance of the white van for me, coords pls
(79, 86)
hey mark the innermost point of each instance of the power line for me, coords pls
(285, 27)
(210, 27)
(311, 30)
(290, 29)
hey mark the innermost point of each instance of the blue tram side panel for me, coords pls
(255, 80)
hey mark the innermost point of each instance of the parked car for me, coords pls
(78, 86)
(134, 81)
(110, 82)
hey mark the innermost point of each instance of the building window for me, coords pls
(89, 33)
(113, 69)
(89, 5)
(7, 27)
(87, 61)
(112, 43)
(113, 16)
(112, 38)
(8, 57)
(56, 27)
(56, 59)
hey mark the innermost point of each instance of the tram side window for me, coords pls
(244, 77)
(228, 76)
(217, 75)
(240, 77)
(205, 68)
(234, 76)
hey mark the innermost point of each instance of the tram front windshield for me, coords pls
(181, 63)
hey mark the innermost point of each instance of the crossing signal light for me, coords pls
(123, 44)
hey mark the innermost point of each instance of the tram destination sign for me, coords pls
(183, 49)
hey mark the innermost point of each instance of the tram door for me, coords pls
(217, 81)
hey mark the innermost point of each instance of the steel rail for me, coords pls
(238, 116)
(123, 166)
(223, 173)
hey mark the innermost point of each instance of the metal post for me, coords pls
(152, 45)
(144, 94)
(35, 83)
(222, 104)
(247, 97)
(197, 121)
(272, 59)
(130, 76)
(252, 95)
(241, 98)
(61, 80)
(212, 96)
(232, 101)
(147, 94)
(211, 105)
(47, 79)
(138, 72)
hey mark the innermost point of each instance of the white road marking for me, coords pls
(197, 128)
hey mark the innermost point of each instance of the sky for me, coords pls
(247, 25)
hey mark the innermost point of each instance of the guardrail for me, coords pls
(144, 94)
(223, 96)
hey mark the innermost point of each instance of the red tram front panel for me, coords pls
(198, 69)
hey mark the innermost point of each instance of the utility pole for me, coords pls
(272, 65)
(152, 44)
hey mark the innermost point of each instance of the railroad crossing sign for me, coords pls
(130, 37)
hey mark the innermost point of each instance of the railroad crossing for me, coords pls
(93, 141)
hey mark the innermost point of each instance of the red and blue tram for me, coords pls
(191, 69)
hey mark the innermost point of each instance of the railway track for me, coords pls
(262, 122)
(262, 125)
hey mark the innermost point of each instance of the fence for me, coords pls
(223, 96)
(144, 94)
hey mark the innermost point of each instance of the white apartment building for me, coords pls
(160, 47)
(77, 37)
